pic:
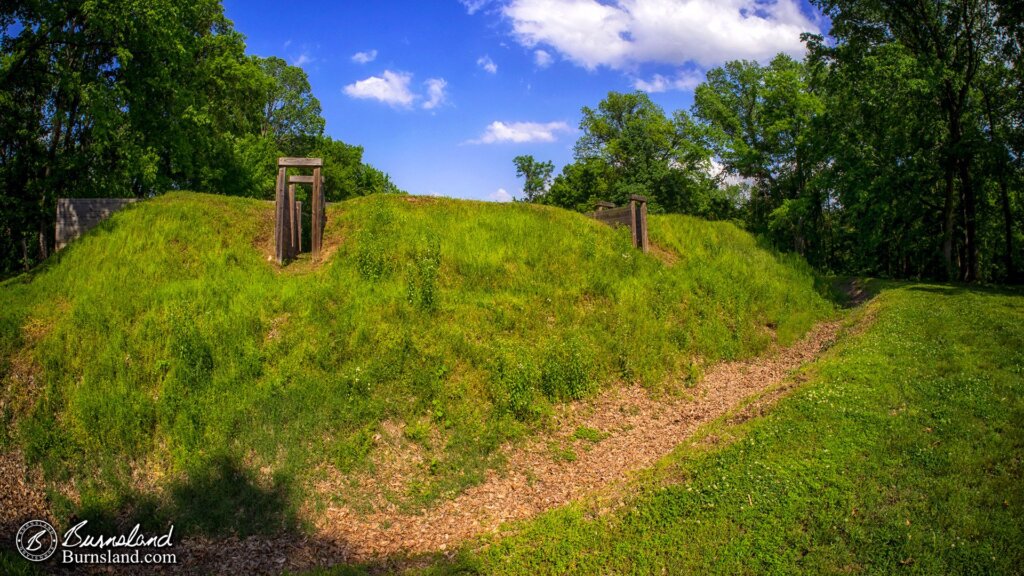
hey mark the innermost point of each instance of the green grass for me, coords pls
(589, 434)
(900, 454)
(161, 357)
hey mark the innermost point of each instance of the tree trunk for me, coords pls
(947, 225)
(1004, 197)
(973, 271)
(1004, 191)
(24, 253)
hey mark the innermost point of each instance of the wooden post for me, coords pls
(318, 215)
(645, 243)
(298, 220)
(323, 209)
(638, 221)
(633, 218)
(293, 245)
(280, 217)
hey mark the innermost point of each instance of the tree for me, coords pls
(758, 122)
(536, 176)
(884, 165)
(580, 185)
(631, 135)
(949, 39)
(290, 112)
(629, 146)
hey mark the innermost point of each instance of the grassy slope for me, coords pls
(162, 363)
(901, 454)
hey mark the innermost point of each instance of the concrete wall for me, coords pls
(75, 216)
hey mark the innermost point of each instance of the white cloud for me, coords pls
(623, 33)
(473, 5)
(364, 57)
(685, 80)
(435, 93)
(501, 195)
(542, 58)
(487, 64)
(392, 88)
(521, 132)
(302, 60)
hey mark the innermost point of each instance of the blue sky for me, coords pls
(442, 94)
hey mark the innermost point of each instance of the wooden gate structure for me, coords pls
(288, 212)
(634, 215)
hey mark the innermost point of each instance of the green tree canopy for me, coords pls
(536, 176)
(290, 112)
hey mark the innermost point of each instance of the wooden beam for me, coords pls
(317, 221)
(293, 245)
(622, 212)
(300, 179)
(281, 232)
(645, 244)
(638, 223)
(298, 210)
(285, 162)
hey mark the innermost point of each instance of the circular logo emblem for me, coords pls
(36, 540)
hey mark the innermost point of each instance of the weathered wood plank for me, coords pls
(612, 212)
(317, 222)
(285, 162)
(293, 246)
(300, 179)
(298, 209)
(280, 220)
(640, 229)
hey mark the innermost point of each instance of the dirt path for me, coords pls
(636, 431)
(639, 430)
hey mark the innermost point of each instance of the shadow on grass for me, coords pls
(219, 497)
(958, 289)
(223, 497)
(852, 291)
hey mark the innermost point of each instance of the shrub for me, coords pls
(567, 369)
(513, 383)
(421, 279)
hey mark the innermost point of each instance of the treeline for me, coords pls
(129, 99)
(894, 148)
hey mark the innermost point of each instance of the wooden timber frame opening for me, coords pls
(288, 212)
(634, 215)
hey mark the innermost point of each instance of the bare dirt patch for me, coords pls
(22, 495)
(667, 257)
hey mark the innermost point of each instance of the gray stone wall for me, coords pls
(75, 216)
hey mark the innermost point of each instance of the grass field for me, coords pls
(900, 453)
(161, 368)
